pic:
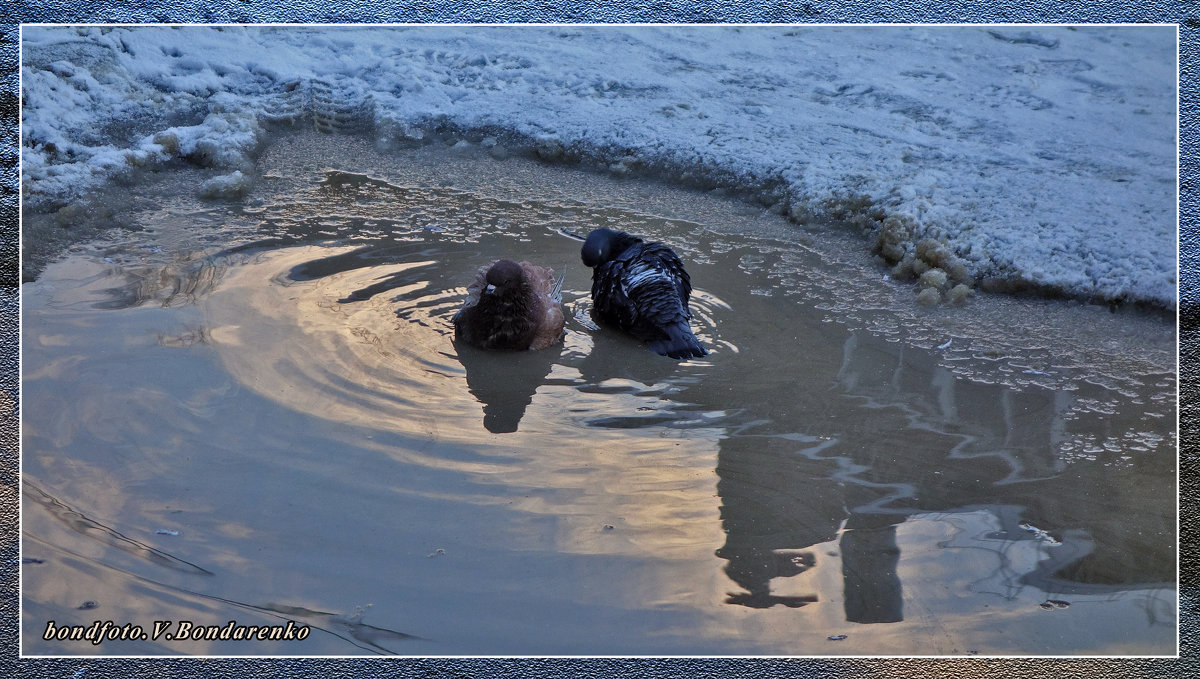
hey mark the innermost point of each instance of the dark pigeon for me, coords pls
(511, 307)
(642, 289)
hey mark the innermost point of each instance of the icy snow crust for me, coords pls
(1039, 157)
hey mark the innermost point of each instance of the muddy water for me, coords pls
(255, 411)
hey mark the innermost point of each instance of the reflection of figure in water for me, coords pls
(754, 568)
(504, 384)
(642, 289)
(776, 505)
(511, 307)
(869, 557)
(773, 506)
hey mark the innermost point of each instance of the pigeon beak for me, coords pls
(490, 288)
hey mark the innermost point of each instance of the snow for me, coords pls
(1041, 157)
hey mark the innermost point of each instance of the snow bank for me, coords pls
(1034, 157)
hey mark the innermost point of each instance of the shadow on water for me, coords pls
(820, 451)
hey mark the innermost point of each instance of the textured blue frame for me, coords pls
(617, 11)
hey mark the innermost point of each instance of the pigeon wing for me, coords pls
(657, 287)
(547, 298)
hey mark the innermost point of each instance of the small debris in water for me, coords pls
(1039, 533)
(947, 344)
(437, 552)
(588, 323)
(164, 531)
(608, 526)
(30, 559)
(1058, 604)
(87, 606)
(836, 637)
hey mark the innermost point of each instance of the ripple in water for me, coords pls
(307, 341)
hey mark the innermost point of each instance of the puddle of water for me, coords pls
(256, 412)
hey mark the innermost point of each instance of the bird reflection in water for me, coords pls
(505, 382)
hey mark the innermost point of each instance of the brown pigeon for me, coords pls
(511, 307)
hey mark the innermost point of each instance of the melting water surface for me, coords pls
(257, 412)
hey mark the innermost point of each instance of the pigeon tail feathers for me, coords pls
(680, 343)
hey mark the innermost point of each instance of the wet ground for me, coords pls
(254, 410)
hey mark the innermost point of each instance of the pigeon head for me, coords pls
(604, 244)
(504, 275)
